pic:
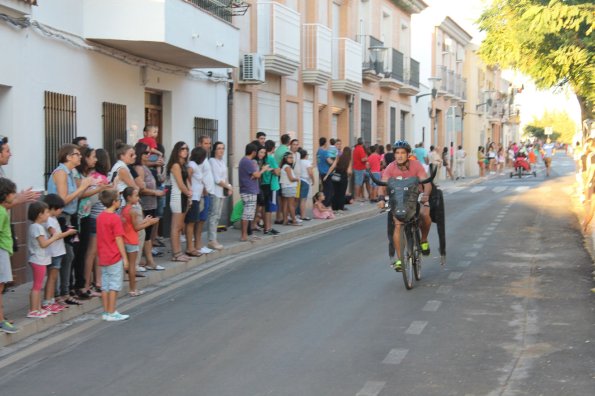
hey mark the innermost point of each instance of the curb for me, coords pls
(29, 327)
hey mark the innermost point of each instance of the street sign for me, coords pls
(549, 130)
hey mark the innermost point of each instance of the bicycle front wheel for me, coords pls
(407, 256)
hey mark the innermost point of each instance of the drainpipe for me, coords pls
(350, 100)
(230, 142)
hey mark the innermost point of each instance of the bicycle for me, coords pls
(404, 201)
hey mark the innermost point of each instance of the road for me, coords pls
(511, 314)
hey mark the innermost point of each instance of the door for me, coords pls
(154, 111)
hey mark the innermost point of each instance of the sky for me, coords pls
(533, 102)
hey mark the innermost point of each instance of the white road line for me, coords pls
(501, 215)
(487, 233)
(444, 289)
(471, 254)
(477, 245)
(494, 223)
(463, 263)
(477, 189)
(432, 306)
(371, 388)
(499, 189)
(490, 228)
(482, 239)
(455, 275)
(522, 188)
(395, 356)
(416, 327)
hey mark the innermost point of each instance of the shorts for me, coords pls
(359, 177)
(90, 224)
(304, 189)
(289, 192)
(131, 248)
(547, 161)
(56, 262)
(5, 268)
(112, 276)
(249, 206)
(193, 214)
(149, 229)
(377, 175)
(178, 203)
(204, 213)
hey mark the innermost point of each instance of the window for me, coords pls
(60, 126)
(206, 127)
(114, 127)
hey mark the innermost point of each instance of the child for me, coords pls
(39, 255)
(57, 251)
(8, 191)
(111, 254)
(132, 223)
(289, 185)
(319, 210)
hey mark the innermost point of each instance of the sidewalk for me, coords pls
(16, 301)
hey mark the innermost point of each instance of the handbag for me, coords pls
(336, 177)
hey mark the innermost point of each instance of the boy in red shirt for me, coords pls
(111, 254)
(150, 139)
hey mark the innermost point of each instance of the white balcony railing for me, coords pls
(317, 53)
(347, 70)
(278, 37)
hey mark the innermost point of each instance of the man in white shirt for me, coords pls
(209, 183)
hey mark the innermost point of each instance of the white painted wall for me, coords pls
(33, 64)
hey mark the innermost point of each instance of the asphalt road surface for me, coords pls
(511, 314)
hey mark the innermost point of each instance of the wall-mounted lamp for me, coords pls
(433, 91)
(487, 102)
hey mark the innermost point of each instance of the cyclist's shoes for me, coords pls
(425, 248)
(398, 266)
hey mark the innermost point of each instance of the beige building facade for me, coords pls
(333, 68)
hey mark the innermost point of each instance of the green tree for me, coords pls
(563, 125)
(549, 40)
(539, 133)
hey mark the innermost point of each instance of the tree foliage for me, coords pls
(549, 40)
(563, 126)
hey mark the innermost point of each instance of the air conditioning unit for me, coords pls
(252, 69)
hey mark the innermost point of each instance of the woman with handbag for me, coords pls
(340, 171)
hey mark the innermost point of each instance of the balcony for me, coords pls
(347, 71)
(496, 112)
(17, 8)
(278, 37)
(450, 84)
(175, 32)
(372, 58)
(460, 87)
(317, 63)
(394, 73)
(411, 87)
(443, 74)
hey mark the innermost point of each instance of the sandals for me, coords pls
(73, 301)
(136, 293)
(194, 253)
(179, 257)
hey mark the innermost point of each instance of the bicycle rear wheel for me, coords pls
(416, 254)
(407, 256)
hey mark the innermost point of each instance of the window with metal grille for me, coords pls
(366, 121)
(206, 127)
(114, 127)
(60, 126)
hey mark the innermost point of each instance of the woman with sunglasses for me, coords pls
(63, 181)
(148, 201)
(180, 195)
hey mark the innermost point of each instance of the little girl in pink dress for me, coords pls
(319, 210)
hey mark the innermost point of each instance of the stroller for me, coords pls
(522, 166)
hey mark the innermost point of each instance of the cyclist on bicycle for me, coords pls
(405, 167)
